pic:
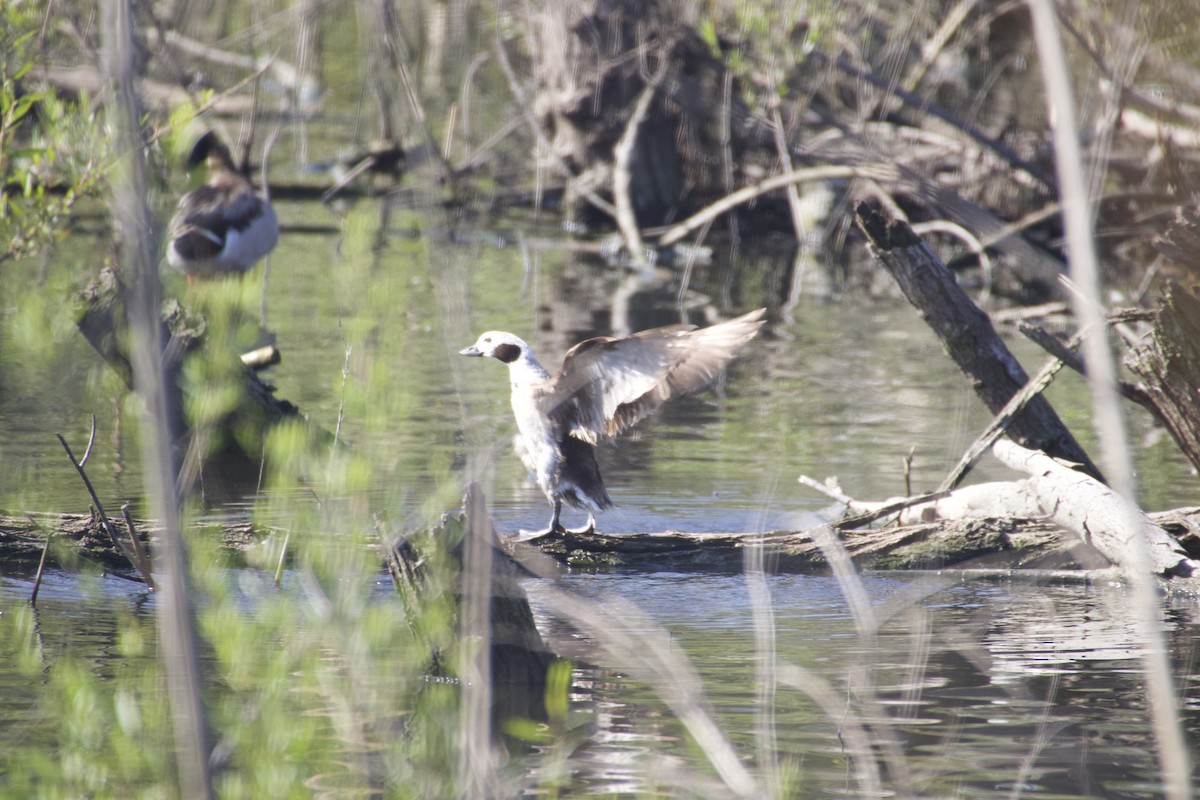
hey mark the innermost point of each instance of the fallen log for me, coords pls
(997, 526)
(929, 545)
(22, 538)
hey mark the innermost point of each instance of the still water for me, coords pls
(985, 689)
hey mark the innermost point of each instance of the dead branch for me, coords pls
(776, 182)
(967, 335)
(118, 545)
(1001, 421)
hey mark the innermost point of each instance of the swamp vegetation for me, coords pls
(294, 577)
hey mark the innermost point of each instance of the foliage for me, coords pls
(51, 152)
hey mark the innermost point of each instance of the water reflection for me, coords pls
(992, 689)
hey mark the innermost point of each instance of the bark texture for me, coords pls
(1168, 365)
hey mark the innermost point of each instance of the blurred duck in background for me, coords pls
(224, 226)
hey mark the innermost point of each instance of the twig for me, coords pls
(212, 101)
(104, 521)
(972, 242)
(831, 492)
(867, 517)
(140, 559)
(514, 85)
(1072, 359)
(623, 156)
(91, 441)
(37, 580)
(287, 537)
(337, 432)
(908, 462)
(1001, 421)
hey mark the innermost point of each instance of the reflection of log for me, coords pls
(491, 606)
(967, 335)
(1169, 367)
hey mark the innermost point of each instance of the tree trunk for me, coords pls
(1169, 367)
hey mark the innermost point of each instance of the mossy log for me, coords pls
(1006, 543)
(941, 541)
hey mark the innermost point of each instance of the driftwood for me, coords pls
(1077, 503)
(1100, 516)
(967, 335)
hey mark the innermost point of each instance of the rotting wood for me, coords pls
(967, 335)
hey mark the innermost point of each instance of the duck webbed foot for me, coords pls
(589, 528)
(555, 528)
(533, 536)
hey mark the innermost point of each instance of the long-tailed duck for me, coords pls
(222, 227)
(603, 387)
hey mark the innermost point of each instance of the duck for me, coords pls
(224, 226)
(604, 386)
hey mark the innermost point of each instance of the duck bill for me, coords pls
(470, 351)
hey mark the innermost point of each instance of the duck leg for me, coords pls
(555, 527)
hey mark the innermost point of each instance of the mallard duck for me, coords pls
(603, 387)
(223, 227)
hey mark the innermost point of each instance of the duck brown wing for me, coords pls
(606, 385)
(216, 210)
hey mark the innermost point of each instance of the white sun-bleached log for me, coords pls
(1096, 513)
(996, 499)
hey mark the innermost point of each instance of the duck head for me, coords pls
(504, 347)
(210, 150)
